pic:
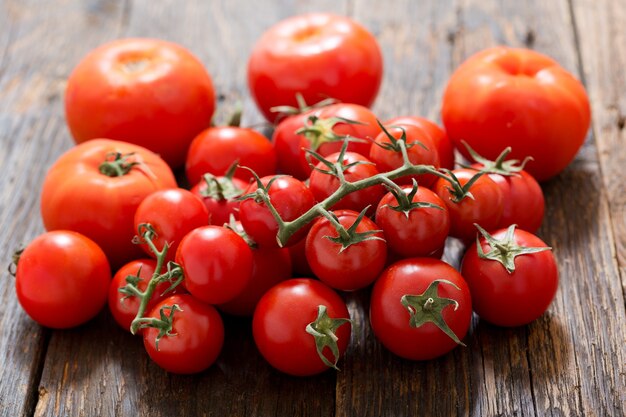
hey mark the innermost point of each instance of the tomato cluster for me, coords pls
(279, 229)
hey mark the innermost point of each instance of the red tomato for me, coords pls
(217, 263)
(409, 330)
(323, 184)
(219, 194)
(318, 55)
(172, 213)
(346, 263)
(485, 208)
(445, 149)
(197, 336)
(511, 298)
(149, 92)
(520, 98)
(290, 197)
(62, 279)
(414, 227)
(280, 325)
(84, 192)
(215, 149)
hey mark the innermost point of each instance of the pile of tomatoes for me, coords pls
(279, 229)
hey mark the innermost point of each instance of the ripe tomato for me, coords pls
(291, 198)
(443, 144)
(215, 150)
(149, 92)
(412, 224)
(217, 263)
(197, 335)
(62, 279)
(318, 55)
(280, 328)
(172, 213)
(407, 301)
(504, 297)
(92, 191)
(219, 194)
(520, 98)
(349, 260)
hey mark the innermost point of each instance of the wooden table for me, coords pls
(570, 362)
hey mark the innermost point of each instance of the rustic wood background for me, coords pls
(570, 362)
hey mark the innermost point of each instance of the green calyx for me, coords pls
(323, 329)
(460, 192)
(349, 236)
(117, 164)
(164, 324)
(504, 250)
(221, 188)
(393, 145)
(303, 107)
(336, 169)
(405, 200)
(428, 308)
(500, 165)
(319, 131)
(15, 259)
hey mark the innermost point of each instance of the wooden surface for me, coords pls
(570, 362)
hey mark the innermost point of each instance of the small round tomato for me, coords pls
(347, 259)
(95, 189)
(291, 198)
(317, 55)
(286, 320)
(216, 149)
(512, 276)
(219, 194)
(420, 308)
(149, 92)
(62, 279)
(415, 223)
(195, 339)
(217, 263)
(172, 213)
(519, 98)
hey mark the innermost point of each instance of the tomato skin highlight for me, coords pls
(62, 279)
(198, 340)
(149, 92)
(520, 98)
(318, 55)
(280, 320)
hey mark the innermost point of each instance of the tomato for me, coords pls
(219, 194)
(420, 148)
(517, 291)
(280, 321)
(414, 224)
(323, 131)
(349, 260)
(519, 98)
(197, 335)
(443, 144)
(485, 207)
(92, 191)
(409, 298)
(323, 182)
(217, 263)
(291, 198)
(149, 92)
(62, 279)
(299, 263)
(215, 149)
(318, 55)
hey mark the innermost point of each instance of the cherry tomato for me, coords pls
(62, 279)
(520, 98)
(318, 55)
(217, 263)
(353, 259)
(149, 92)
(415, 225)
(219, 194)
(197, 335)
(215, 149)
(280, 325)
(172, 213)
(409, 298)
(87, 190)
(510, 298)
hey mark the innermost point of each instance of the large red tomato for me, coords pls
(95, 189)
(520, 98)
(318, 55)
(146, 91)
